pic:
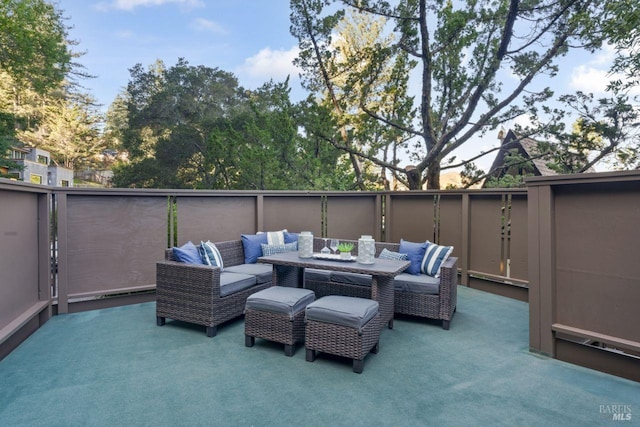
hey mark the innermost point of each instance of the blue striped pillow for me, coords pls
(210, 255)
(434, 256)
(279, 249)
(396, 256)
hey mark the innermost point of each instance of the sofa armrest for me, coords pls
(187, 280)
(448, 287)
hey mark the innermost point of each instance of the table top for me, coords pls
(381, 267)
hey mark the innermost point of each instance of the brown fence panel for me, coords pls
(25, 269)
(20, 263)
(597, 268)
(518, 238)
(584, 269)
(215, 217)
(486, 244)
(450, 223)
(410, 216)
(294, 212)
(351, 215)
(109, 241)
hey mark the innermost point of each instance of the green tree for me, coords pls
(462, 51)
(195, 127)
(606, 130)
(358, 45)
(621, 28)
(69, 128)
(33, 44)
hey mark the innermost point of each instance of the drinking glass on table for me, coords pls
(325, 250)
(334, 245)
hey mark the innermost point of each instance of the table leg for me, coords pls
(383, 292)
(284, 275)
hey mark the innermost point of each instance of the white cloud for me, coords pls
(271, 64)
(132, 4)
(594, 76)
(202, 24)
(589, 79)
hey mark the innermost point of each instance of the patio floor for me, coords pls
(116, 367)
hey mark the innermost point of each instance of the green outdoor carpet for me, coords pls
(115, 367)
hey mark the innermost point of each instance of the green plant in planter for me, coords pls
(345, 247)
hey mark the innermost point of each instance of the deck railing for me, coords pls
(72, 249)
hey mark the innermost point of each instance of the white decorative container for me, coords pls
(366, 250)
(305, 244)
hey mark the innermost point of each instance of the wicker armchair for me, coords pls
(441, 306)
(191, 293)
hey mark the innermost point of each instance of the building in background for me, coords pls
(36, 167)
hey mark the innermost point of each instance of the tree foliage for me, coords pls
(69, 128)
(39, 105)
(475, 60)
(621, 28)
(606, 129)
(33, 44)
(195, 127)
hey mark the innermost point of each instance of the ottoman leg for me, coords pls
(376, 348)
(358, 365)
(249, 341)
(390, 324)
(311, 355)
(212, 331)
(160, 321)
(289, 349)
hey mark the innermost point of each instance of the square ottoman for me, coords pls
(342, 326)
(277, 314)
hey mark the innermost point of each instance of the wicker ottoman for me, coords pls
(343, 326)
(277, 314)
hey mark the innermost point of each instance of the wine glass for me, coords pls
(325, 250)
(334, 245)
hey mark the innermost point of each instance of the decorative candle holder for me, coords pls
(366, 250)
(305, 244)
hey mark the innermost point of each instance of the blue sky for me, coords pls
(249, 38)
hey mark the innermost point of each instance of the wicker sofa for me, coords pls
(421, 296)
(204, 295)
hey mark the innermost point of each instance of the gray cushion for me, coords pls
(351, 278)
(263, 272)
(317, 275)
(278, 299)
(346, 311)
(421, 284)
(230, 283)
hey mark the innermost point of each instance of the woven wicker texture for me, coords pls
(383, 272)
(342, 341)
(276, 327)
(440, 307)
(191, 293)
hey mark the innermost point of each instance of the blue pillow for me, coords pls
(279, 249)
(396, 256)
(187, 253)
(290, 237)
(210, 254)
(251, 246)
(415, 253)
(434, 256)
